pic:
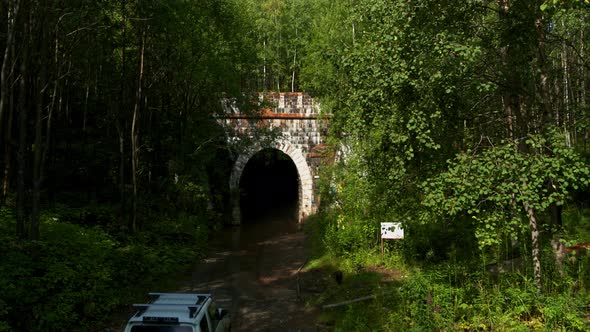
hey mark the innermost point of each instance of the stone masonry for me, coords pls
(299, 133)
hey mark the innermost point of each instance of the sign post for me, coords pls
(390, 231)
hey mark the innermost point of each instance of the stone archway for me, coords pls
(305, 181)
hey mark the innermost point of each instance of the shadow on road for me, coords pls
(251, 270)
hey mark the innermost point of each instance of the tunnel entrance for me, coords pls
(269, 187)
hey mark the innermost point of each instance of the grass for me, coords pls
(450, 294)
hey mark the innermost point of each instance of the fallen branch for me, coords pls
(358, 299)
(364, 298)
(297, 275)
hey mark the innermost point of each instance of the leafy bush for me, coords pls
(564, 312)
(65, 275)
(75, 276)
(344, 237)
(356, 318)
(429, 302)
(453, 295)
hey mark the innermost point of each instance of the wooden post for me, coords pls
(390, 231)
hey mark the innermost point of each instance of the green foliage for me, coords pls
(350, 226)
(75, 276)
(394, 78)
(413, 84)
(192, 198)
(491, 184)
(65, 275)
(357, 318)
(330, 39)
(280, 32)
(562, 311)
(451, 292)
(431, 301)
(552, 5)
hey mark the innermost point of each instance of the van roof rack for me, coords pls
(165, 308)
(182, 298)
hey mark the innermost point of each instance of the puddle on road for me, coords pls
(254, 231)
(241, 252)
(251, 271)
(251, 268)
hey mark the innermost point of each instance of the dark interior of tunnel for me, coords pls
(269, 187)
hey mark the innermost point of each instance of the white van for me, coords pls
(179, 312)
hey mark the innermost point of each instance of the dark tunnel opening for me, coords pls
(269, 187)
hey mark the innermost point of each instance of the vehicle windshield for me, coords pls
(161, 328)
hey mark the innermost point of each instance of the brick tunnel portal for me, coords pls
(269, 187)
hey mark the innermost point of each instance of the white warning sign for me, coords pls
(392, 231)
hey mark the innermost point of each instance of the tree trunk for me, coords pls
(8, 138)
(264, 83)
(85, 109)
(121, 124)
(38, 152)
(545, 101)
(278, 73)
(11, 13)
(121, 169)
(535, 242)
(135, 136)
(7, 161)
(583, 84)
(5, 95)
(293, 76)
(507, 95)
(35, 211)
(294, 62)
(22, 139)
(52, 103)
(566, 88)
(556, 243)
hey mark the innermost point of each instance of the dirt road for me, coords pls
(251, 270)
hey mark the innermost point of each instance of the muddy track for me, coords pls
(252, 271)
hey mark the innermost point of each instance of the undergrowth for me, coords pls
(80, 272)
(456, 293)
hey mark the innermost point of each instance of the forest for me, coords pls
(466, 121)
